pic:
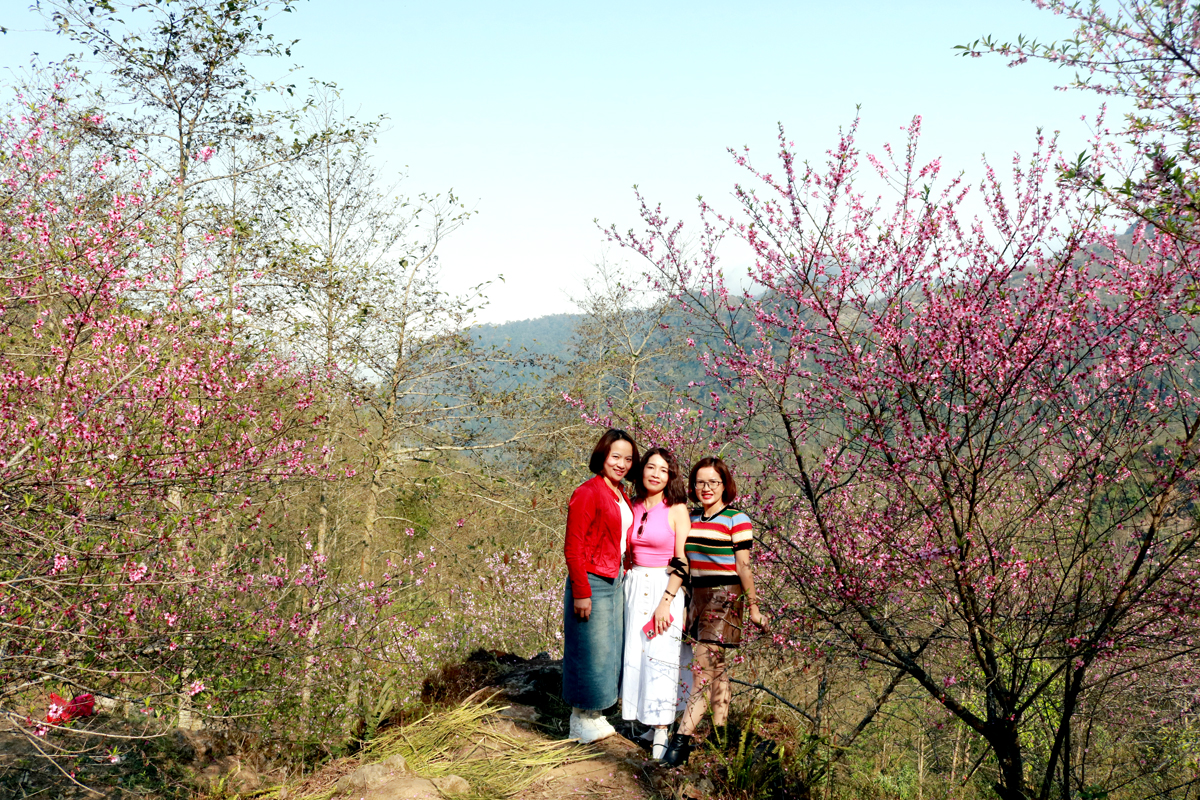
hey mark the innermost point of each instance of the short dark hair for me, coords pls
(600, 451)
(675, 491)
(729, 494)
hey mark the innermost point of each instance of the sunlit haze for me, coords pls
(543, 115)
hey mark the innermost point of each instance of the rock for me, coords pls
(521, 712)
(199, 745)
(533, 683)
(396, 764)
(107, 704)
(182, 747)
(244, 781)
(367, 777)
(698, 788)
(452, 785)
(231, 774)
(407, 788)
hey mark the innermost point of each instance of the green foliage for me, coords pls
(753, 760)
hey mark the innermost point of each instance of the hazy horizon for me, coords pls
(542, 115)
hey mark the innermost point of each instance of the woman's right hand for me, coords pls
(583, 608)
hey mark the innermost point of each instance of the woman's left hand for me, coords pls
(662, 617)
(758, 618)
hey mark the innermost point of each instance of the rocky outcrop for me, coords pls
(390, 779)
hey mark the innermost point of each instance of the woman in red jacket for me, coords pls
(598, 520)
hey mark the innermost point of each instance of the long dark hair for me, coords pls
(676, 490)
(600, 451)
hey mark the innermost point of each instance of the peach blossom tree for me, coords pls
(971, 437)
(140, 448)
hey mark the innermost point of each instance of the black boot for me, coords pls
(678, 750)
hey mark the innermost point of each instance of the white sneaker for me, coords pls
(576, 718)
(605, 725)
(659, 748)
(593, 728)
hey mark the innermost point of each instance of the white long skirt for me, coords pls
(653, 685)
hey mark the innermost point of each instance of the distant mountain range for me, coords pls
(548, 336)
(552, 336)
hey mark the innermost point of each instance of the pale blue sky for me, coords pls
(543, 114)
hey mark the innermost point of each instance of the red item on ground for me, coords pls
(83, 705)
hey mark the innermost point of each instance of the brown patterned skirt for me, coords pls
(716, 615)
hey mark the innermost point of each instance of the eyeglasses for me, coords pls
(708, 484)
(642, 527)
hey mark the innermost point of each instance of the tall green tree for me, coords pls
(180, 104)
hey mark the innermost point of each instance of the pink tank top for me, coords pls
(656, 544)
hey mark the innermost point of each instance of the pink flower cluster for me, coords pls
(140, 443)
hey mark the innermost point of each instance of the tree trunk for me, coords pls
(366, 567)
(371, 520)
(1002, 735)
(310, 660)
(920, 763)
(186, 718)
(958, 753)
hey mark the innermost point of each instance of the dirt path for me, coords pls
(621, 771)
(615, 768)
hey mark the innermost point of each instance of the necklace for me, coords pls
(714, 515)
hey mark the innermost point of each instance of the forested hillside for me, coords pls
(551, 335)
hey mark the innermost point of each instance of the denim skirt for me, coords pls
(592, 650)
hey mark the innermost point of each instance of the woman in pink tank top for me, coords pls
(652, 688)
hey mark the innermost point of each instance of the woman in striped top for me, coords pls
(718, 552)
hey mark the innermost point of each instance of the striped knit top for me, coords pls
(711, 545)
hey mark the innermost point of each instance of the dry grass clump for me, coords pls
(469, 740)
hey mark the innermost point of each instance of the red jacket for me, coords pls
(593, 535)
